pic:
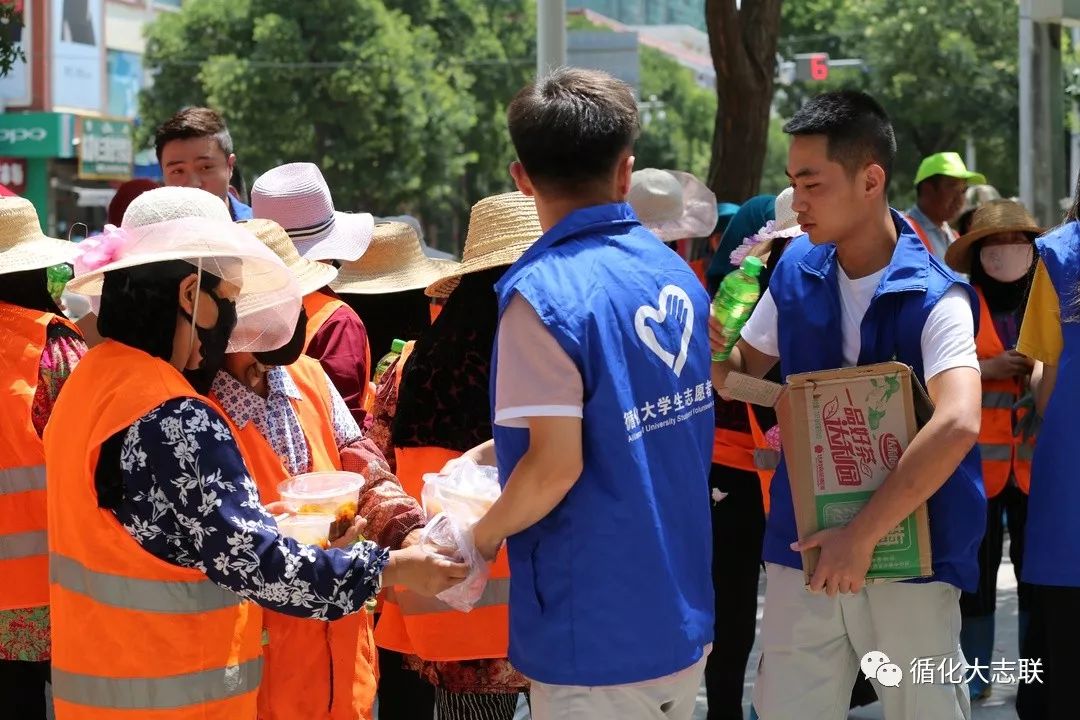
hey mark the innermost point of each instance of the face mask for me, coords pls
(214, 342)
(1007, 263)
(291, 351)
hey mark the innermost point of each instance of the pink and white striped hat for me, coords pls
(296, 197)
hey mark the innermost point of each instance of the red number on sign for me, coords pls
(819, 67)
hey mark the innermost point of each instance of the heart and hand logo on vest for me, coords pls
(675, 304)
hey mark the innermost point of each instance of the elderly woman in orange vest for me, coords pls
(161, 552)
(998, 252)
(291, 421)
(433, 405)
(38, 352)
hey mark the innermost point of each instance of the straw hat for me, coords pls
(310, 275)
(297, 197)
(672, 204)
(22, 244)
(412, 222)
(996, 216)
(394, 262)
(501, 229)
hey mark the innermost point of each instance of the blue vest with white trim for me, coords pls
(1052, 538)
(615, 584)
(804, 287)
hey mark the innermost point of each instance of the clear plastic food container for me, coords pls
(311, 529)
(332, 493)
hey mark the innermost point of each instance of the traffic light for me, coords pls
(812, 67)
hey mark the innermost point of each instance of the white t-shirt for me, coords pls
(948, 338)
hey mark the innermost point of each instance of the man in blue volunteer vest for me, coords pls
(602, 405)
(859, 288)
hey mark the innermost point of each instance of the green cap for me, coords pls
(397, 346)
(948, 164)
(752, 266)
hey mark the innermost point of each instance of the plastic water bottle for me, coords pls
(57, 277)
(734, 301)
(388, 359)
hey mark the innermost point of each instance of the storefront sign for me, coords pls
(105, 149)
(36, 135)
(13, 174)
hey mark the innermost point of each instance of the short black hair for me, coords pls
(193, 122)
(856, 127)
(570, 127)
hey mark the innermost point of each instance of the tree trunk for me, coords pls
(743, 44)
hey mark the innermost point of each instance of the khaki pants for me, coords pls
(812, 646)
(671, 698)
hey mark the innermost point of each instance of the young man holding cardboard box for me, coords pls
(859, 289)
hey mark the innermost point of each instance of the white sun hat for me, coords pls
(296, 197)
(673, 205)
(172, 203)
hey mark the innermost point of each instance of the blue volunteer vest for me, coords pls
(615, 584)
(1052, 538)
(807, 297)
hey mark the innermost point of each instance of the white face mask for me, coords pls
(1007, 263)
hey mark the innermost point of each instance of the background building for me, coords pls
(648, 12)
(69, 111)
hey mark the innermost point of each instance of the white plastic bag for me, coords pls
(454, 500)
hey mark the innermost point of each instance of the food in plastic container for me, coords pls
(311, 529)
(455, 499)
(463, 488)
(332, 493)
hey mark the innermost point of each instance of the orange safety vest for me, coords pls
(426, 627)
(319, 307)
(313, 668)
(24, 551)
(1003, 453)
(747, 451)
(133, 636)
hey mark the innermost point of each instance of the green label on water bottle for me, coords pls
(734, 302)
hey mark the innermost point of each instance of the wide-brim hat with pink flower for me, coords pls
(297, 198)
(269, 301)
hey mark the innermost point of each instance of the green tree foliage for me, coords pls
(347, 84)
(10, 19)
(678, 124)
(494, 43)
(943, 70)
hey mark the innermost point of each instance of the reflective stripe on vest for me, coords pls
(165, 693)
(766, 459)
(22, 545)
(496, 592)
(995, 452)
(998, 400)
(135, 594)
(22, 479)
